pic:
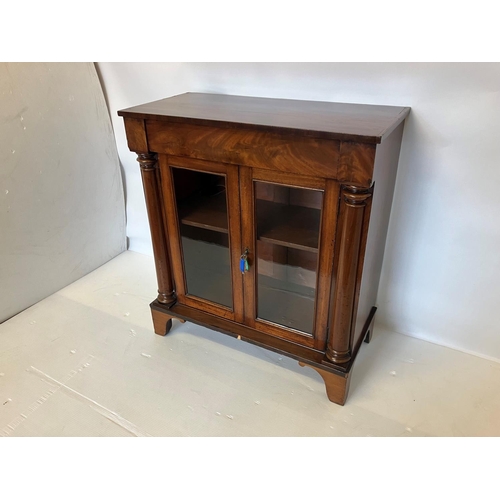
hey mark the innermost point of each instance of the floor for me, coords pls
(85, 362)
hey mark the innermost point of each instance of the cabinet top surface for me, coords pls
(329, 120)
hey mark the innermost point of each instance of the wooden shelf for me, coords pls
(291, 226)
(286, 225)
(207, 212)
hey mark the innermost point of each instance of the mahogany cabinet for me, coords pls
(268, 219)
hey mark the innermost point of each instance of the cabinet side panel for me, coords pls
(386, 164)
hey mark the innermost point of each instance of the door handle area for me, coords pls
(244, 264)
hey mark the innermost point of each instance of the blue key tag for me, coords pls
(244, 263)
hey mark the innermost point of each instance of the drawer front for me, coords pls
(266, 150)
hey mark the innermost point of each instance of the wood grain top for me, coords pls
(328, 120)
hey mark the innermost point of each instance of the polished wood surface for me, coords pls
(235, 237)
(266, 150)
(356, 164)
(366, 335)
(288, 179)
(332, 120)
(162, 322)
(282, 346)
(302, 189)
(325, 278)
(172, 222)
(232, 216)
(385, 170)
(206, 214)
(248, 239)
(359, 315)
(154, 204)
(308, 355)
(136, 135)
(289, 225)
(337, 387)
(291, 232)
(352, 207)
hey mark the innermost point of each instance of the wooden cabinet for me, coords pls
(269, 218)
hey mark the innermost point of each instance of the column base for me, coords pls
(165, 298)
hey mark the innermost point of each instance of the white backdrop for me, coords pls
(441, 274)
(61, 194)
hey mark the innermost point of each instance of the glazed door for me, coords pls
(203, 226)
(288, 226)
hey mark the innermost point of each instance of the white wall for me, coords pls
(441, 274)
(61, 195)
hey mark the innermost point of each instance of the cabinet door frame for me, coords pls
(324, 279)
(231, 174)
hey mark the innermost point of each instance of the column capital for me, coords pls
(355, 196)
(147, 161)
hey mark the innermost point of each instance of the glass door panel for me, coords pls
(287, 229)
(203, 221)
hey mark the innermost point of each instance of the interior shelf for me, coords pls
(207, 212)
(291, 226)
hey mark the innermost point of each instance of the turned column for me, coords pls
(352, 210)
(152, 193)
